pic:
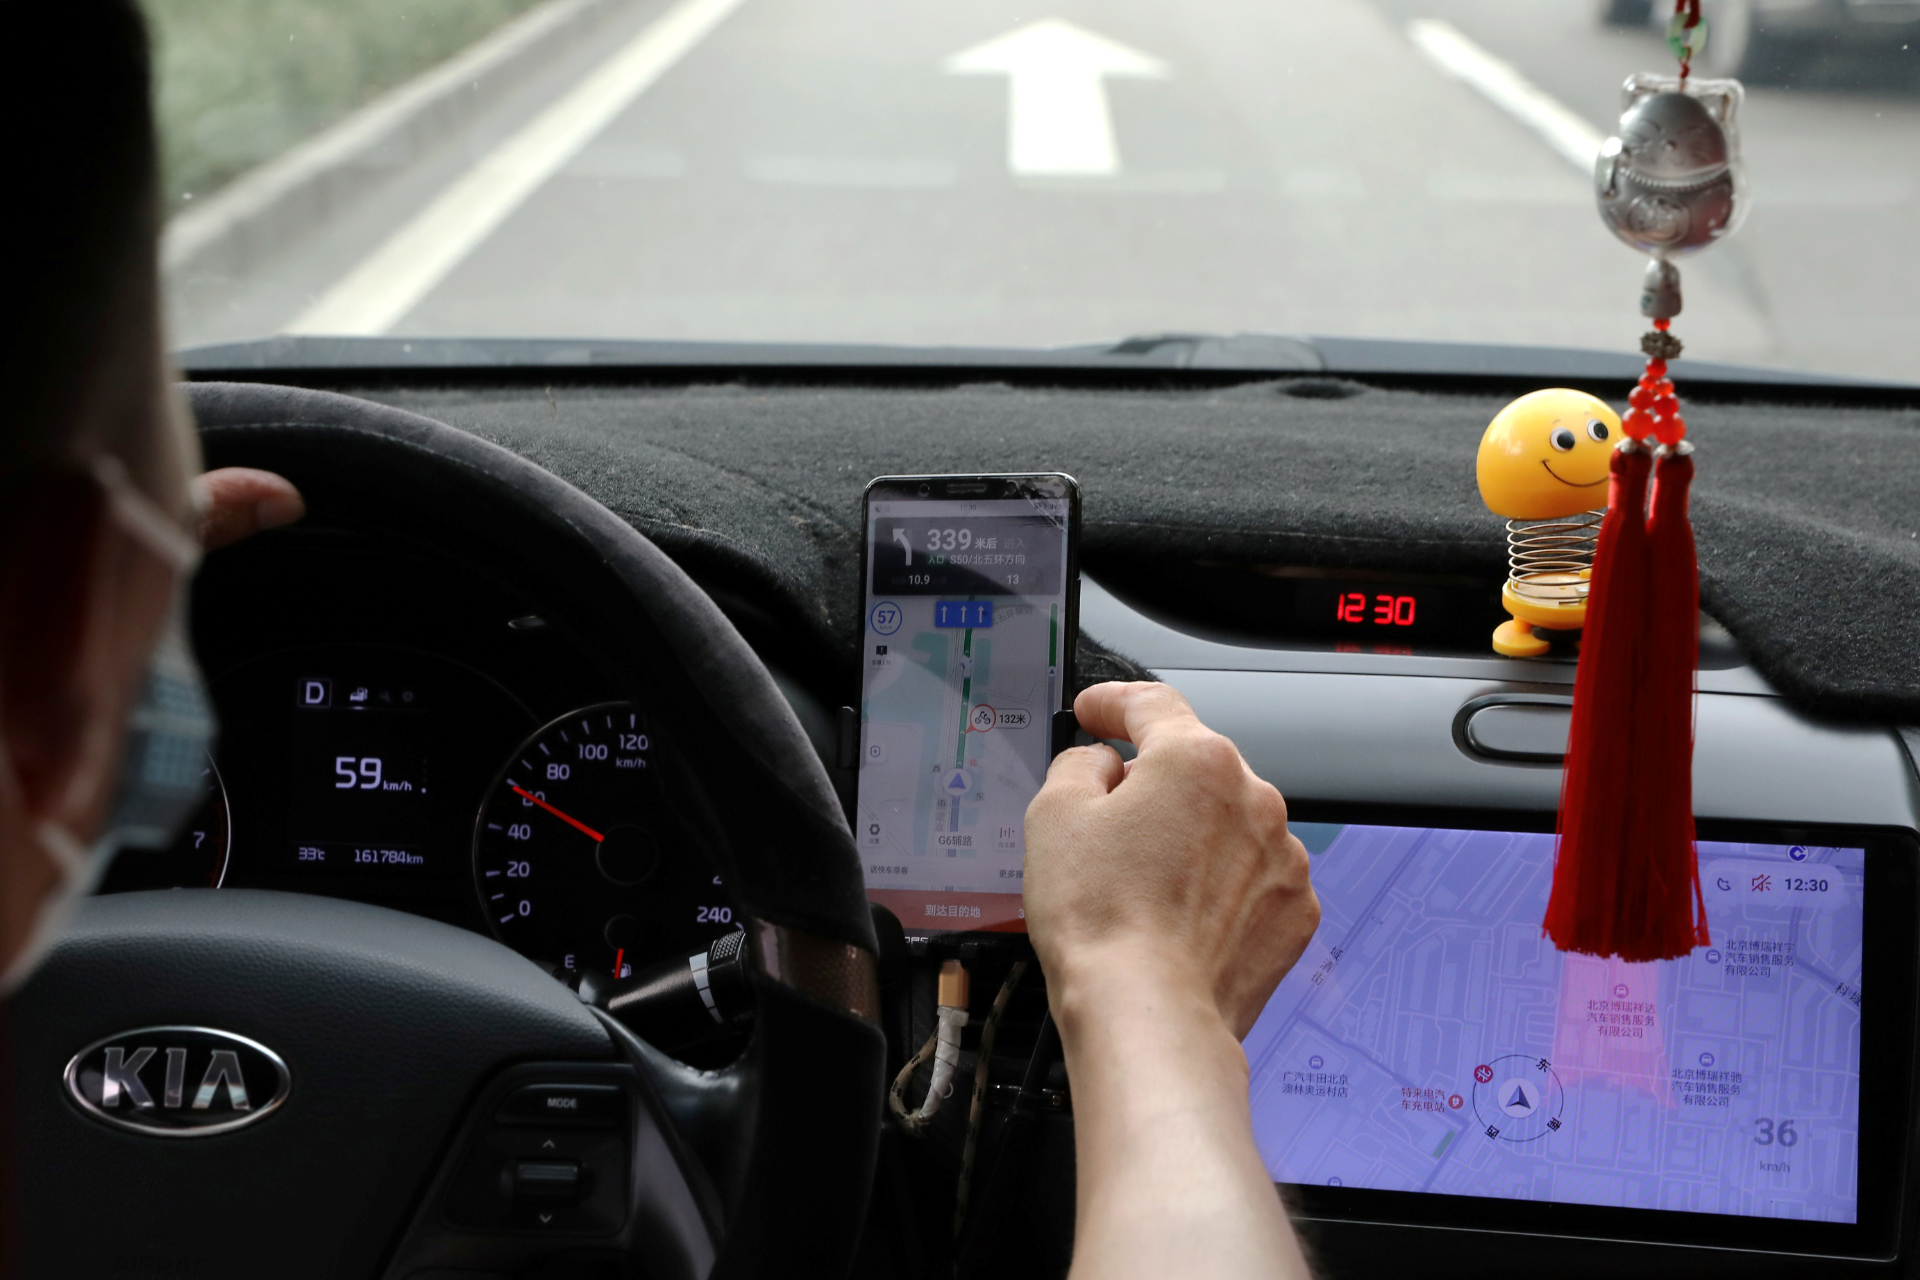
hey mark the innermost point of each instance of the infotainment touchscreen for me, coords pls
(1431, 1040)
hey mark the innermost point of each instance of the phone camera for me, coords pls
(925, 489)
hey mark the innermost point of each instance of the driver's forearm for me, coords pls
(1170, 1183)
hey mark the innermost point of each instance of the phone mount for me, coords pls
(1064, 728)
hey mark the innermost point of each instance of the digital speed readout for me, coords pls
(579, 858)
(360, 799)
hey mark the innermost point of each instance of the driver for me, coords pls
(1165, 897)
(101, 514)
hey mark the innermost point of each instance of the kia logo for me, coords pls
(178, 1082)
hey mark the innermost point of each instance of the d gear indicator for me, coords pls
(1517, 1098)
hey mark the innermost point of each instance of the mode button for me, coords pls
(599, 1105)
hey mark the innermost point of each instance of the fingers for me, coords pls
(1083, 771)
(239, 501)
(1134, 712)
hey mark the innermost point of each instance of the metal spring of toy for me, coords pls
(1551, 561)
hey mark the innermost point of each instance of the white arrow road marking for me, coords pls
(391, 280)
(1057, 118)
(1567, 133)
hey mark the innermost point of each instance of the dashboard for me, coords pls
(1433, 1063)
(409, 723)
(402, 728)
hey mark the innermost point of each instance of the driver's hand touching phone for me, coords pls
(1166, 900)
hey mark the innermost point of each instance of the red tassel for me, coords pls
(1596, 876)
(1675, 913)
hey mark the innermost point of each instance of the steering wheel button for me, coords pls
(598, 1105)
(548, 1181)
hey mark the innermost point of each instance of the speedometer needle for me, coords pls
(571, 821)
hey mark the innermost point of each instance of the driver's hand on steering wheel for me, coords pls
(1166, 900)
(235, 502)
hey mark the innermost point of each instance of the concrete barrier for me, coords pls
(249, 221)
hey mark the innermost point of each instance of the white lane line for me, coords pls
(255, 205)
(391, 280)
(851, 171)
(1178, 182)
(606, 160)
(1462, 187)
(1839, 192)
(1570, 135)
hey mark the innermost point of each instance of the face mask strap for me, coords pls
(78, 873)
(80, 867)
(62, 849)
(67, 854)
(143, 519)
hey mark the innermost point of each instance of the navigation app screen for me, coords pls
(1431, 1040)
(965, 634)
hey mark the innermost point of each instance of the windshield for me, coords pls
(858, 171)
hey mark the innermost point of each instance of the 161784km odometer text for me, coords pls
(579, 857)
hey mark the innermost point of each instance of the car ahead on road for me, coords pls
(524, 930)
(1765, 41)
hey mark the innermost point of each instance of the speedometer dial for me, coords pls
(579, 858)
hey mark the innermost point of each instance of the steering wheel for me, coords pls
(411, 1140)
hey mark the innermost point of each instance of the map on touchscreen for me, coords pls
(961, 675)
(1431, 1040)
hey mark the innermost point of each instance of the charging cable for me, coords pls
(981, 1069)
(943, 1046)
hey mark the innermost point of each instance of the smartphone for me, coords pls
(971, 609)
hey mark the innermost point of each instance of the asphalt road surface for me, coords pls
(901, 171)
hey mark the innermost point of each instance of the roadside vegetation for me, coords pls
(239, 81)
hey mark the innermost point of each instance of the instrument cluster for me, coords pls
(414, 734)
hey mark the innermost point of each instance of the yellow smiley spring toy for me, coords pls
(1543, 465)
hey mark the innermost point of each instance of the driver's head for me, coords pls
(97, 453)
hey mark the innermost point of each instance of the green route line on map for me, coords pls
(966, 696)
(966, 715)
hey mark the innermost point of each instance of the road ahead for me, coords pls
(872, 170)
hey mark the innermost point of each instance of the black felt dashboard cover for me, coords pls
(1808, 518)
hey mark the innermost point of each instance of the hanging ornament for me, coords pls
(1626, 879)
